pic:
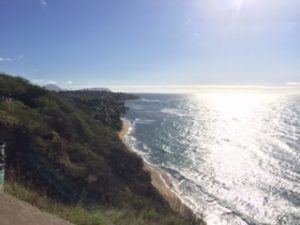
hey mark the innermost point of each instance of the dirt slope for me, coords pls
(15, 212)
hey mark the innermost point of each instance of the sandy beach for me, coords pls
(161, 182)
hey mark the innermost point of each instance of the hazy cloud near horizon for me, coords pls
(4, 59)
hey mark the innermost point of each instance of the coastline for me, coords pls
(160, 181)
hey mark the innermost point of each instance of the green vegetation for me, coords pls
(64, 156)
(94, 214)
(104, 107)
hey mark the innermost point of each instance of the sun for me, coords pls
(230, 4)
(237, 4)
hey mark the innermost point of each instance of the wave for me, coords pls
(143, 121)
(149, 100)
(173, 111)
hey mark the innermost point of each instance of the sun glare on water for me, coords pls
(234, 121)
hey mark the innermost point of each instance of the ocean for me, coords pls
(233, 158)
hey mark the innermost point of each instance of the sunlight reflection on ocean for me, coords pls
(234, 158)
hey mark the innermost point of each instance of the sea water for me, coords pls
(234, 158)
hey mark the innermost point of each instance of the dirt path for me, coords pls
(15, 212)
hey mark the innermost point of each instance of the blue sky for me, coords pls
(151, 42)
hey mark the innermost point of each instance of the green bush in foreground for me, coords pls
(96, 214)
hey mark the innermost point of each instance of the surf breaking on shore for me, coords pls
(160, 181)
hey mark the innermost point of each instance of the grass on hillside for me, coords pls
(96, 214)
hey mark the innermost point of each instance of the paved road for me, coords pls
(15, 212)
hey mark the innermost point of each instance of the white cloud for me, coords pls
(43, 82)
(38, 81)
(7, 59)
(201, 88)
(44, 3)
(3, 59)
(292, 83)
(51, 82)
(70, 82)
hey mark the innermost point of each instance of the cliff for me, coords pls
(65, 148)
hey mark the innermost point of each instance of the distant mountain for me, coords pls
(53, 87)
(97, 89)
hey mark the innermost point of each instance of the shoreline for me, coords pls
(160, 181)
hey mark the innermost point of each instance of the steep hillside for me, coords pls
(58, 149)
